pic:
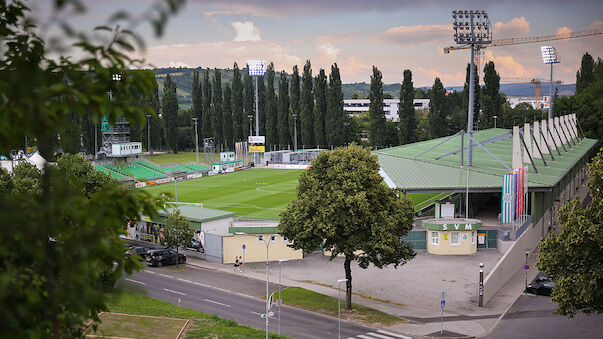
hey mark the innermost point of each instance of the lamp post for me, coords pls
(478, 33)
(526, 267)
(250, 116)
(149, 134)
(267, 243)
(549, 56)
(196, 139)
(495, 117)
(295, 132)
(339, 306)
(280, 299)
(481, 285)
(257, 68)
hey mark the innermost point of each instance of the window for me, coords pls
(435, 238)
(473, 237)
(454, 238)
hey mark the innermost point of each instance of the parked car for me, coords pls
(542, 285)
(141, 251)
(195, 245)
(164, 257)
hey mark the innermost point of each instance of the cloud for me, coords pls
(173, 63)
(351, 66)
(246, 31)
(563, 30)
(446, 78)
(417, 34)
(507, 67)
(517, 27)
(329, 51)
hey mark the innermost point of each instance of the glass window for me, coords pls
(435, 238)
(454, 238)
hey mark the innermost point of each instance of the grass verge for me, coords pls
(130, 300)
(321, 303)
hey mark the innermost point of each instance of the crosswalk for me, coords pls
(380, 334)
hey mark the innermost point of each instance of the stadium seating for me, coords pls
(137, 171)
(149, 165)
(177, 168)
(197, 168)
(112, 174)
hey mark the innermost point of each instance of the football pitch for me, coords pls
(261, 193)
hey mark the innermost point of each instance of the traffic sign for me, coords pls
(270, 301)
(526, 267)
(268, 315)
(244, 246)
(443, 303)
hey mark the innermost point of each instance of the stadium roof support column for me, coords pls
(537, 143)
(544, 140)
(562, 136)
(516, 163)
(527, 141)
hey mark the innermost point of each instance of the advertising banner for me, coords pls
(508, 199)
(257, 149)
(257, 139)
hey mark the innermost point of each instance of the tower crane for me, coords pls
(535, 81)
(520, 41)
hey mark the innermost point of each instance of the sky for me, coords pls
(392, 35)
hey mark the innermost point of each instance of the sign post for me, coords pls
(526, 267)
(242, 265)
(442, 303)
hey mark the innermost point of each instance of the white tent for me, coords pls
(37, 160)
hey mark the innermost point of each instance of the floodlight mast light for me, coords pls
(549, 56)
(478, 33)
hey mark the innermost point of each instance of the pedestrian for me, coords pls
(240, 264)
(236, 264)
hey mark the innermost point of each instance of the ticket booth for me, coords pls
(452, 235)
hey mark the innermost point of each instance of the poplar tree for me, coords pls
(170, 114)
(227, 117)
(284, 137)
(238, 120)
(437, 110)
(248, 105)
(406, 111)
(376, 113)
(206, 113)
(216, 111)
(152, 101)
(320, 113)
(336, 121)
(490, 96)
(197, 101)
(262, 104)
(586, 74)
(295, 96)
(307, 106)
(476, 93)
(271, 109)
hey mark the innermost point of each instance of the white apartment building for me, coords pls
(543, 103)
(390, 106)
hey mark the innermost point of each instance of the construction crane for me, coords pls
(535, 81)
(519, 41)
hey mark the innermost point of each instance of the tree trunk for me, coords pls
(348, 284)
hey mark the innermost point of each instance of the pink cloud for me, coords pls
(417, 34)
(516, 27)
(508, 67)
(446, 78)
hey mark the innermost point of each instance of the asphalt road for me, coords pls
(531, 317)
(237, 297)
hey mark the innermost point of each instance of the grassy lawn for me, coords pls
(136, 326)
(258, 193)
(130, 300)
(328, 305)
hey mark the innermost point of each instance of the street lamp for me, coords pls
(339, 306)
(267, 243)
(526, 267)
(149, 134)
(481, 284)
(280, 299)
(478, 32)
(549, 56)
(257, 68)
(495, 117)
(295, 132)
(250, 116)
(196, 139)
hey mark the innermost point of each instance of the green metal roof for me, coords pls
(425, 173)
(197, 213)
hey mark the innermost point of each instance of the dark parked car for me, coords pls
(164, 257)
(141, 251)
(541, 286)
(195, 246)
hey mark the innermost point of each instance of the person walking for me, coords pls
(241, 264)
(236, 264)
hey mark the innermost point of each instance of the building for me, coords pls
(542, 104)
(390, 106)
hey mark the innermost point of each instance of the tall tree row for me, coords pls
(262, 104)
(586, 74)
(337, 121)
(238, 120)
(476, 93)
(271, 109)
(437, 110)
(206, 120)
(227, 118)
(307, 107)
(376, 113)
(170, 114)
(406, 111)
(491, 97)
(216, 108)
(295, 109)
(248, 105)
(320, 111)
(197, 102)
(284, 137)
(157, 134)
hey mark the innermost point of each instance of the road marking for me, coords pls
(215, 302)
(164, 275)
(200, 284)
(136, 281)
(174, 291)
(396, 335)
(150, 272)
(188, 281)
(376, 335)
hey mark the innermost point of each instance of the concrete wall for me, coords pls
(255, 251)
(213, 247)
(512, 261)
(465, 246)
(219, 226)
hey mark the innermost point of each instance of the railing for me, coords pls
(523, 227)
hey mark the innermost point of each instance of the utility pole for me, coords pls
(196, 139)
(149, 134)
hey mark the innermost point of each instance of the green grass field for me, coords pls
(258, 193)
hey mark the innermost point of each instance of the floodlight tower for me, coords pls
(257, 68)
(549, 56)
(478, 32)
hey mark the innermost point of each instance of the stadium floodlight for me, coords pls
(549, 56)
(478, 32)
(257, 68)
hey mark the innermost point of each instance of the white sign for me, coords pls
(270, 314)
(257, 139)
